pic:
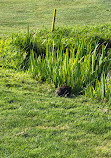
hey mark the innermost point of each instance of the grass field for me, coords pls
(37, 123)
(16, 15)
(34, 121)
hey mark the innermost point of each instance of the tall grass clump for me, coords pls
(84, 69)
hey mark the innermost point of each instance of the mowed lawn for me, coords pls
(15, 15)
(34, 122)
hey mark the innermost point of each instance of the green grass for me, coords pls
(16, 15)
(34, 122)
(37, 123)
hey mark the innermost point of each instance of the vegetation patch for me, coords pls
(78, 57)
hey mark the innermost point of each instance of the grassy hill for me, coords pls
(16, 15)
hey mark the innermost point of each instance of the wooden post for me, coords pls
(53, 23)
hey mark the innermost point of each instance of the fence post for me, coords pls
(53, 23)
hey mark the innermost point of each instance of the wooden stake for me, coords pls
(53, 23)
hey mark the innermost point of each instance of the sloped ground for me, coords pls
(36, 123)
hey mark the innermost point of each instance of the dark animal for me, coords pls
(64, 91)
